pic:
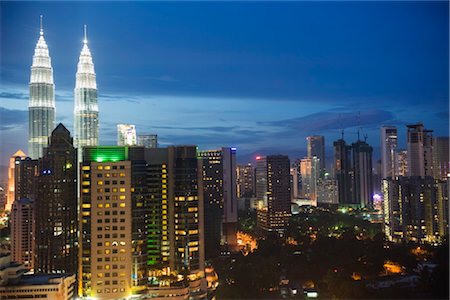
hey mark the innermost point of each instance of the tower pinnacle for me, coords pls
(85, 34)
(41, 26)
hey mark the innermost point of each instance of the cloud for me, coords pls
(16, 95)
(331, 119)
(12, 118)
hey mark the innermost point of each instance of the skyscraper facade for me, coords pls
(219, 196)
(126, 135)
(343, 172)
(316, 147)
(26, 175)
(245, 177)
(142, 221)
(86, 122)
(56, 207)
(388, 147)
(273, 190)
(41, 108)
(363, 176)
(420, 150)
(441, 163)
(11, 194)
(147, 140)
(310, 173)
(22, 232)
(402, 162)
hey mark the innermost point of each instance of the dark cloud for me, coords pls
(12, 117)
(17, 95)
(331, 120)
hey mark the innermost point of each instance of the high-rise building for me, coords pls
(327, 191)
(142, 222)
(273, 191)
(295, 182)
(245, 178)
(10, 194)
(388, 145)
(402, 162)
(86, 120)
(126, 135)
(41, 108)
(362, 171)
(310, 173)
(56, 206)
(26, 175)
(415, 209)
(219, 196)
(344, 172)
(316, 147)
(147, 140)
(441, 163)
(420, 151)
(22, 233)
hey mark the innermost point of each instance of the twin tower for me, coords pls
(41, 106)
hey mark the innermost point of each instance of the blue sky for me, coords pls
(260, 76)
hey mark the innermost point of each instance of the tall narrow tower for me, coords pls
(41, 108)
(86, 107)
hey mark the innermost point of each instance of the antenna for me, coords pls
(85, 34)
(41, 26)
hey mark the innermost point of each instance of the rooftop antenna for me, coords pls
(85, 34)
(365, 137)
(41, 26)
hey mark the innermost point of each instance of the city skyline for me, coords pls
(231, 87)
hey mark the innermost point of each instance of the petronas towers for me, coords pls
(42, 99)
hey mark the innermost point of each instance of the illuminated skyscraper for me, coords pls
(420, 151)
(86, 107)
(309, 170)
(41, 108)
(402, 162)
(56, 206)
(126, 135)
(11, 195)
(441, 164)
(316, 147)
(388, 146)
(245, 177)
(220, 204)
(273, 191)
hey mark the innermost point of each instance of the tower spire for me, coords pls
(41, 26)
(85, 34)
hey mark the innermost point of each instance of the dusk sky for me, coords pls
(259, 76)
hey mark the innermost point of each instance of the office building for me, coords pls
(126, 135)
(245, 177)
(41, 107)
(441, 163)
(420, 150)
(327, 191)
(86, 120)
(415, 209)
(344, 172)
(22, 232)
(310, 174)
(362, 172)
(56, 206)
(142, 221)
(147, 140)
(26, 175)
(15, 285)
(295, 182)
(388, 148)
(273, 191)
(402, 162)
(11, 194)
(219, 196)
(316, 147)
